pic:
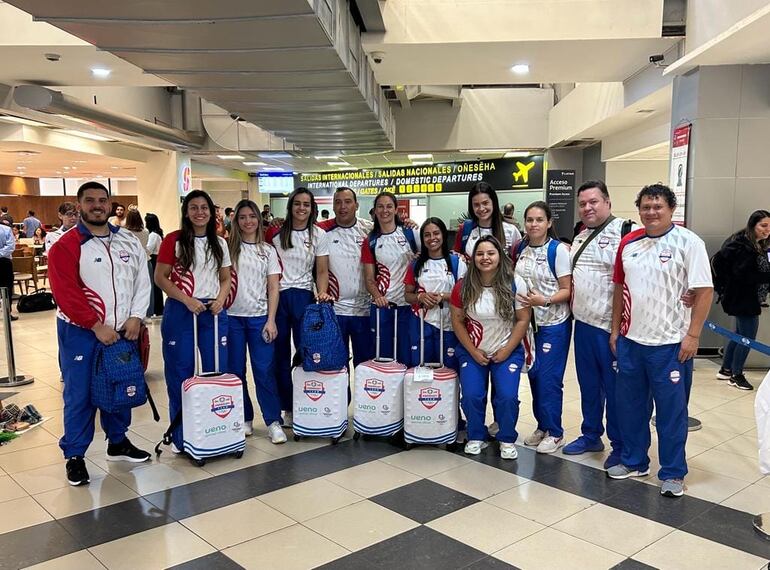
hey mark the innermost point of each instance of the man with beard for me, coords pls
(119, 219)
(98, 275)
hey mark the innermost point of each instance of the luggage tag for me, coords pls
(423, 374)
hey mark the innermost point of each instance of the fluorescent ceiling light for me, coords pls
(517, 154)
(85, 135)
(421, 162)
(348, 168)
(520, 68)
(326, 156)
(230, 156)
(22, 121)
(251, 163)
(100, 72)
(273, 168)
(338, 163)
(274, 155)
(426, 156)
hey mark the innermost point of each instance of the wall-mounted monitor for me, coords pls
(275, 182)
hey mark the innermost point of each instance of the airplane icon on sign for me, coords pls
(523, 171)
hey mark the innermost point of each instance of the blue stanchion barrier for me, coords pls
(750, 342)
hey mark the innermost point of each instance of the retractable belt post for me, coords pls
(12, 379)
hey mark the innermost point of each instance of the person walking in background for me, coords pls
(68, 216)
(7, 246)
(154, 240)
(742, 269)
(31, 223)
(5, 217)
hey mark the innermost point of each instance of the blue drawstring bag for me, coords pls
(322, 348)
(118, 377)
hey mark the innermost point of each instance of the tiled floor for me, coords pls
(365, 504)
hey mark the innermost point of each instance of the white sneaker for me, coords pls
(175, 450)
(474, 446)
(493, 429)
(248, 428)
(508, 451)
(275, 431)
(288, 419)
(550, 444)
(534, 439)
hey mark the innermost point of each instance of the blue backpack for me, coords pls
(553, 245)
(454, 267)
(118, 377)
(468, 227)
(322, 348)
(408, 233)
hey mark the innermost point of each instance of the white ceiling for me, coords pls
(50, 162)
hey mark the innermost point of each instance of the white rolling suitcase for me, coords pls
(320, 404)
(378, 395)
(431, 396)
(212, 410)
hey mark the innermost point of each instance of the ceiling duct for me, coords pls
(257, 60)
(48, 101)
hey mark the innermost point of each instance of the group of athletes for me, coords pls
(503, 303)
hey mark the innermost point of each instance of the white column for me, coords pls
(162, 181)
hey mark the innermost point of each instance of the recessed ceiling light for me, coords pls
(85, 135)
(421, 162)
(274, 155)
(230, 157)
(100, 72)
(66, 167)
(326, 156)
(348, 168)
(517, 154)
(338, 163)
(252, 163)
(78, 162)
(520, 68)
(273, 168)
(426, 156)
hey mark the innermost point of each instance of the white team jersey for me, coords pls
(392, 257)
(153, 243)
(435, 277)
(248, 289)
(532, 266)
(299, 260)
(202, 279)
(346, 273)
(52, 237)
(512, 235)
(487, 330)
(655, 272)
(592, 285)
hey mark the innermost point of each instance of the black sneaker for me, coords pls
(126, 451)
(77, 474)
(740, 382)
(724, 374)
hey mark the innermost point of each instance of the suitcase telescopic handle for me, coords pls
(377, 331)
(196, 351)
(440, 334)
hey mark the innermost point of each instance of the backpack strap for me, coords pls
(373, 248)
(626, 228)
(468, 227)
(409, 234)
(175, 423)
(454, 265)
(517, 248)
(553, 247)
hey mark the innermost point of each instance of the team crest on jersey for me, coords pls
(307, 243)
(674, 376)
(374, 387)
(603, 242)
(665, 256)
(401, 241)
(314, 389)
(263, 255)
(222, 405)
(124, 256)
(429, 397)
(540, 259)
(359, 241)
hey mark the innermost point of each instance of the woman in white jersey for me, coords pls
(542, 261)
(193, 269)
(490, 325)
(485, 218)
(386, 253)
(429, 281)
(303, 248)
(253, 303)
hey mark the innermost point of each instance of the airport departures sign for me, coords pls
(502, 174)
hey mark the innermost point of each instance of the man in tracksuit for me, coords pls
(655, 336)
(592, 256)
(98, 275)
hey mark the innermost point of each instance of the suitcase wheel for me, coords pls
(356, 435)
(408, 446)
(296, 437)
(335, 440)
(199, 462)
(238, 454)
(452, 447)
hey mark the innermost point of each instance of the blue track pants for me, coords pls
(288, 320)
(432, 346)
(403, 349)
(546, 379)
(356, 332)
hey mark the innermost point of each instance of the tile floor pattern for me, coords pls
(366, 504)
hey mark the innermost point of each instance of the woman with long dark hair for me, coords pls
(256, 272)
(743, 267)
(485, 218)
(193, 269)
(386, 253)
(490, 323)
(542, 261)
(429, 281)
(303, 248)
(152, 223)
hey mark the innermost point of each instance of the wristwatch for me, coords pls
(547, 303)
